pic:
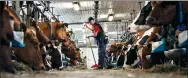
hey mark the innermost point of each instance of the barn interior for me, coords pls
(49, 39)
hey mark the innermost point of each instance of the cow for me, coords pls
(53, 50)
(6, 35)
(123, 54)
(30, 54)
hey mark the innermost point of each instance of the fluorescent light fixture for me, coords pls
(62, 5)
(110, 11)
(67, 5)
(110, 17)
(119, 15)
(76, 6)
(86, 3)
(103, 16)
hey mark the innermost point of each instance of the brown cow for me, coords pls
(30, 54)
(6, 35)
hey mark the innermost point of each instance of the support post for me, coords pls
(140, 4)
(134, 13)
(29, 6)
(36, 16)
(17, 7)
(131, 16)
(117, 30)
(96, 10)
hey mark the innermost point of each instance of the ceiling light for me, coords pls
(67, 5)
(119, 15)
(103, 16)
(62, 5)
(76, 6)
(86, 3)
(110, 17)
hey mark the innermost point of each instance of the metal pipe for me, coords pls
(48, 11)
(17, 7)
(117, 30)
(29, 6)
(131, 16)
(36, 16)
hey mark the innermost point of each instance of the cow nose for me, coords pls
(149, 19)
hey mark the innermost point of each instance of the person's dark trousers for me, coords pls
(103, 57)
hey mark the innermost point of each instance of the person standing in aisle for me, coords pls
(99, 36)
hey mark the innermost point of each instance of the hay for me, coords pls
(18, 66)
(167, 68)
(164, 68)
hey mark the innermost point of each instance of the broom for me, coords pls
(95, 65)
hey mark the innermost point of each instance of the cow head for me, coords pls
(139, 22)
(31, 54)
(163, 12)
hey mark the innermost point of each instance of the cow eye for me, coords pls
(34, 43)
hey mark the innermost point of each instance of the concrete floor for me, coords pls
(89, 74)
